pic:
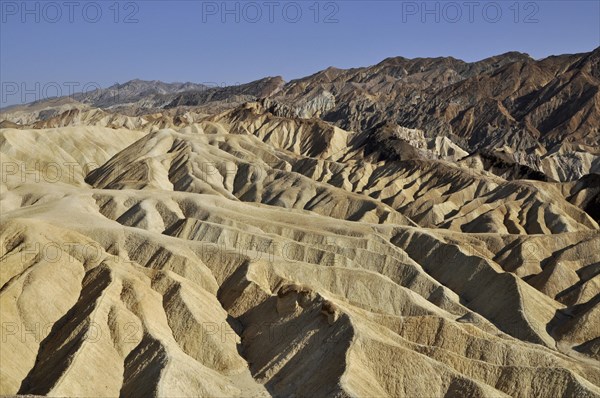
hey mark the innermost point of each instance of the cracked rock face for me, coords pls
(301, 245)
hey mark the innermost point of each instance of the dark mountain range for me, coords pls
(541, 115)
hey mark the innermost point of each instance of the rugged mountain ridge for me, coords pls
(543, 114)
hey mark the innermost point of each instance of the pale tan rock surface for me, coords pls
(253, 255)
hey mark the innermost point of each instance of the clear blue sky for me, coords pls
(188, 40)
